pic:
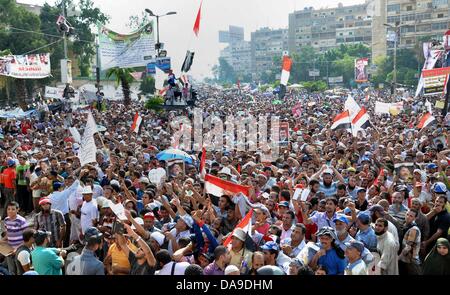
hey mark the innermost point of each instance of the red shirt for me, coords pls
(9, 177)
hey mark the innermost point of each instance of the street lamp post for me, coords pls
(158, 45)
(397, 34)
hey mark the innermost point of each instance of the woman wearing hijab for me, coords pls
(438, 260)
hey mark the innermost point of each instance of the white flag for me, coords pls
(352, 107)
(75, 134)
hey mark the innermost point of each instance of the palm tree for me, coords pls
(124, 78)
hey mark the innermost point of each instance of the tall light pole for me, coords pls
(63, 6)
(158, 45)
(397, 35)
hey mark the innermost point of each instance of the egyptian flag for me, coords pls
(136, 123)
(218, 186)
(245, 224)
(341, 121)
(426, 120)
(202, 168)
(285, 74)
(361, 121)
(197, 20)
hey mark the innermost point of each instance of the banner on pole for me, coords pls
(361, 70)
(126, 51)
(31, 66)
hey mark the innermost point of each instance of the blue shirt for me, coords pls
(368, 238)
(333, 263)
(46, 262)
(329, 191)
(321, 219)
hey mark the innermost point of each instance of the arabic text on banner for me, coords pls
(31, 66)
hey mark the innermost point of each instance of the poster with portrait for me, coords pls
(31, 66)
(361, 70)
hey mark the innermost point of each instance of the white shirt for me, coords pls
(60, 199)
(285, 233)
(75, 199)
(36, 192)
(180, 267)
(89, 212)
(24, 257)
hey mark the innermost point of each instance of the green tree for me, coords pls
(15, 17)
(147, 85)
(124, 78)
(155, 104)
(226, 72)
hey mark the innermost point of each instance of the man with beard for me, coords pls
(221, 260)
(387, 247)
(327, 186)
(352, 188)
(51, 220)
(377, 211)
(409, 261)
(397, 209)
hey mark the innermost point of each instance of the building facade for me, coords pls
(238, 52)
(266, 44)
(417, 21)
(328, 28)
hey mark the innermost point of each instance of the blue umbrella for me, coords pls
(174, 154)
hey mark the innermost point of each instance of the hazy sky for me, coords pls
(176, 30)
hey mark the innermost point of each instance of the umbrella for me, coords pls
(174, 154)
(275, 102)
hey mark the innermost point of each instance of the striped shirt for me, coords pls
(14, 230)
(51, 222)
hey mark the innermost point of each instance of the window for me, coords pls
(409, 41)
(393, 8)
(393, 19)
(350, 33)
(439, 26)
(440, 15)
(409, 8)
(439, 3)
(408, 17)
(341, 34)
(429, 5)
(349, 17)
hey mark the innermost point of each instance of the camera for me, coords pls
(118, 228)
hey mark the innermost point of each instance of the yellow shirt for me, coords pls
(118, 256)
(236, 258)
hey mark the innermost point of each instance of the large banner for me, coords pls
(435, 80)
(126, 51)
(361, 70)
(31, 66)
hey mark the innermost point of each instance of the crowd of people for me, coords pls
(330, 204)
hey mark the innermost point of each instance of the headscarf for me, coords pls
(436, 264)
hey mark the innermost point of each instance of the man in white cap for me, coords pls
(89, 211)
(240, 256)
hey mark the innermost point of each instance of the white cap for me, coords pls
(158, 237)
(139, 221)
(230, 269)
(87, 190)
(225, 170)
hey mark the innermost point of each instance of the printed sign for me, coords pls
(31, 66)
